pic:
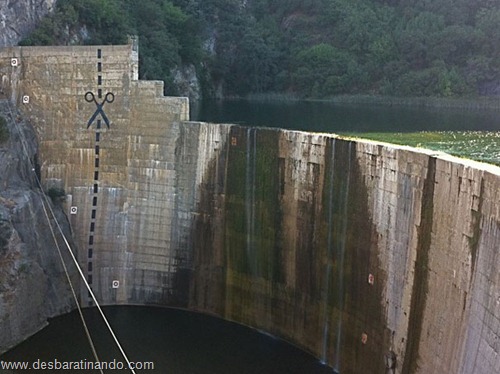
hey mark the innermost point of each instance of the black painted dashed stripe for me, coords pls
(90, 253)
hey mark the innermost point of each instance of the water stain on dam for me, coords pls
(284, 242)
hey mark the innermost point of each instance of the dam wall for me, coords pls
(373, 257)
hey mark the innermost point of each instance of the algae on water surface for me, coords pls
(481, 146)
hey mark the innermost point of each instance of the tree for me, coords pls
(324, 70)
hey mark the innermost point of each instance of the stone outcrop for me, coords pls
(19, 17)
(33, 286)
(186, 82)
(374, 257)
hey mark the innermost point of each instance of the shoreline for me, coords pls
(481, 102)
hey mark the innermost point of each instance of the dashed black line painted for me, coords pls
(89, 97)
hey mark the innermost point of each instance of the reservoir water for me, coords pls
(176, 341)
(469, 133)
(324, 116)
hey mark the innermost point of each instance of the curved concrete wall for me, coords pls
(361, 253)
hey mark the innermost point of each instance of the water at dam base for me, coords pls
(176, 341)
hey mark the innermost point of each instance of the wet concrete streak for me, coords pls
(421, 280)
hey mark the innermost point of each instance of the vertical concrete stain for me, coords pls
(341, 257)
(476, 229)
(330, 166)
(421, 278)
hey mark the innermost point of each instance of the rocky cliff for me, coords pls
(33, 286)
(19, 17)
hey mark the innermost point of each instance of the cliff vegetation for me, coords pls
(4, 131)
(306, 48)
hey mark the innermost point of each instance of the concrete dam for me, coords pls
(375, 258)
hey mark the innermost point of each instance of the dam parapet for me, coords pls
(374, 257)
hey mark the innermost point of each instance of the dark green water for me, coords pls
(176, 341)
(321, 116)
(469, 133)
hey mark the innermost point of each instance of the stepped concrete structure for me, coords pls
(375, 258)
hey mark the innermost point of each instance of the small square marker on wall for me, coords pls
(73, 210)
(14, 62)
(115, 284)
(26, 99)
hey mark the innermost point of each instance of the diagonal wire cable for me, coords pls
(85, 327)
(87, 332)
(70, 251)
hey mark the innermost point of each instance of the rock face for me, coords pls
(33, 286)
(19, 17)
(374, 257)
(186, 82)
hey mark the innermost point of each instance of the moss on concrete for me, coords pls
(264, 235)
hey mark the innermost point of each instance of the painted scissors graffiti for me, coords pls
(109, 98)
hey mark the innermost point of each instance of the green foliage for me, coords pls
(307, 48)
(5, 234)
(56, 194)
(323, 70)
(105, 22)
(4, 131)
(437, 80)
(168, 36)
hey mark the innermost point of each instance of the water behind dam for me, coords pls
(331, 117)
(176, 341)
(465, 132)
